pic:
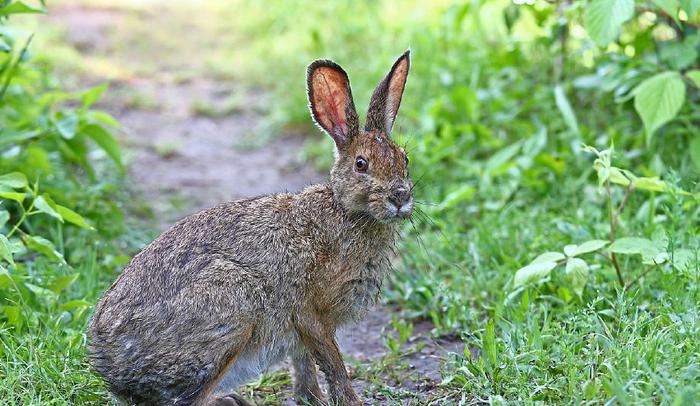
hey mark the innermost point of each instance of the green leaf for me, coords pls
(690, 7)
(570, 249)
(603, 18)
(651, 184)
(565, 109)
(43, 246)
(658, 100)
(670, 7)
(7, 193)
(14, 180)
(20, 8)
(548, 257)
(489, 344)
(694, 76)
(91, 95)
(67, 126)
(678, 55)
(105, 140)
(75, 304)
(577, 273)
(590, 246)
(45, 205)
(73, 217)
(683, 259)
(102, 117)
(4, 217)
(533, 273)
(633, 245)
(61, 283)
(6, 249)
(695, 151)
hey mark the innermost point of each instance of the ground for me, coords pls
(194, 138)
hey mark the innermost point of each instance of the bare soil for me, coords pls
(188, 147)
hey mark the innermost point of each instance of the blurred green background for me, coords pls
(554, 144)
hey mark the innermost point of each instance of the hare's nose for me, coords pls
(400, 196)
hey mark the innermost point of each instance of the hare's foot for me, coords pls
(319, 339)
(306, 388)
(228, 400)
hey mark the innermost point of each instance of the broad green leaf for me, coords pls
(577, 273)
(4, 217)
(565, 109)
(14, 316)
(45, 205)
(654, 257)
(533, 273)
(670, 7)
(590, 246)
(603, 18)
(19, 7)
(7, 193)
(43, 246)
(690, 6)
(61, 283)
(91, 95)
(683, 259)
(548, 256)
(694, 76)
(651, 184)
(695, 151)
(104, 118)
(633, 245)
(618, 176)
(6, 250)
(569, 250)
(678, 55)
(73, 217)
(105, 140)
(67, 126)
(658, 100)
(14, 180)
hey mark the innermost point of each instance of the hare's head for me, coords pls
(370, 174)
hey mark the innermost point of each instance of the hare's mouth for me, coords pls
(399, 211)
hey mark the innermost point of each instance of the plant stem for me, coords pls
(643, 274)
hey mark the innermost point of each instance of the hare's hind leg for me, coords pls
(206, 397)
(306, 389)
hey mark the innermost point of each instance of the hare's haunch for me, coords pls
(230, 291)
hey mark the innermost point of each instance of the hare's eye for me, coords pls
(406, 156)
(361, 164)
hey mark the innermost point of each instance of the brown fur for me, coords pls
(231, 290)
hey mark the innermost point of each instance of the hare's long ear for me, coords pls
(386, 98)
(330, 101)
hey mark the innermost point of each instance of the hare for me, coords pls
(230, 291)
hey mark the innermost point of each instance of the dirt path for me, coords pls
(186, 145)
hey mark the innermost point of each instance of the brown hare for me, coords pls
(232, 290)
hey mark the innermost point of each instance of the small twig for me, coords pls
(643, 274)
(629, 190)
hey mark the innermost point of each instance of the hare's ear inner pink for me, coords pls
(330, 101)
(386, 98)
